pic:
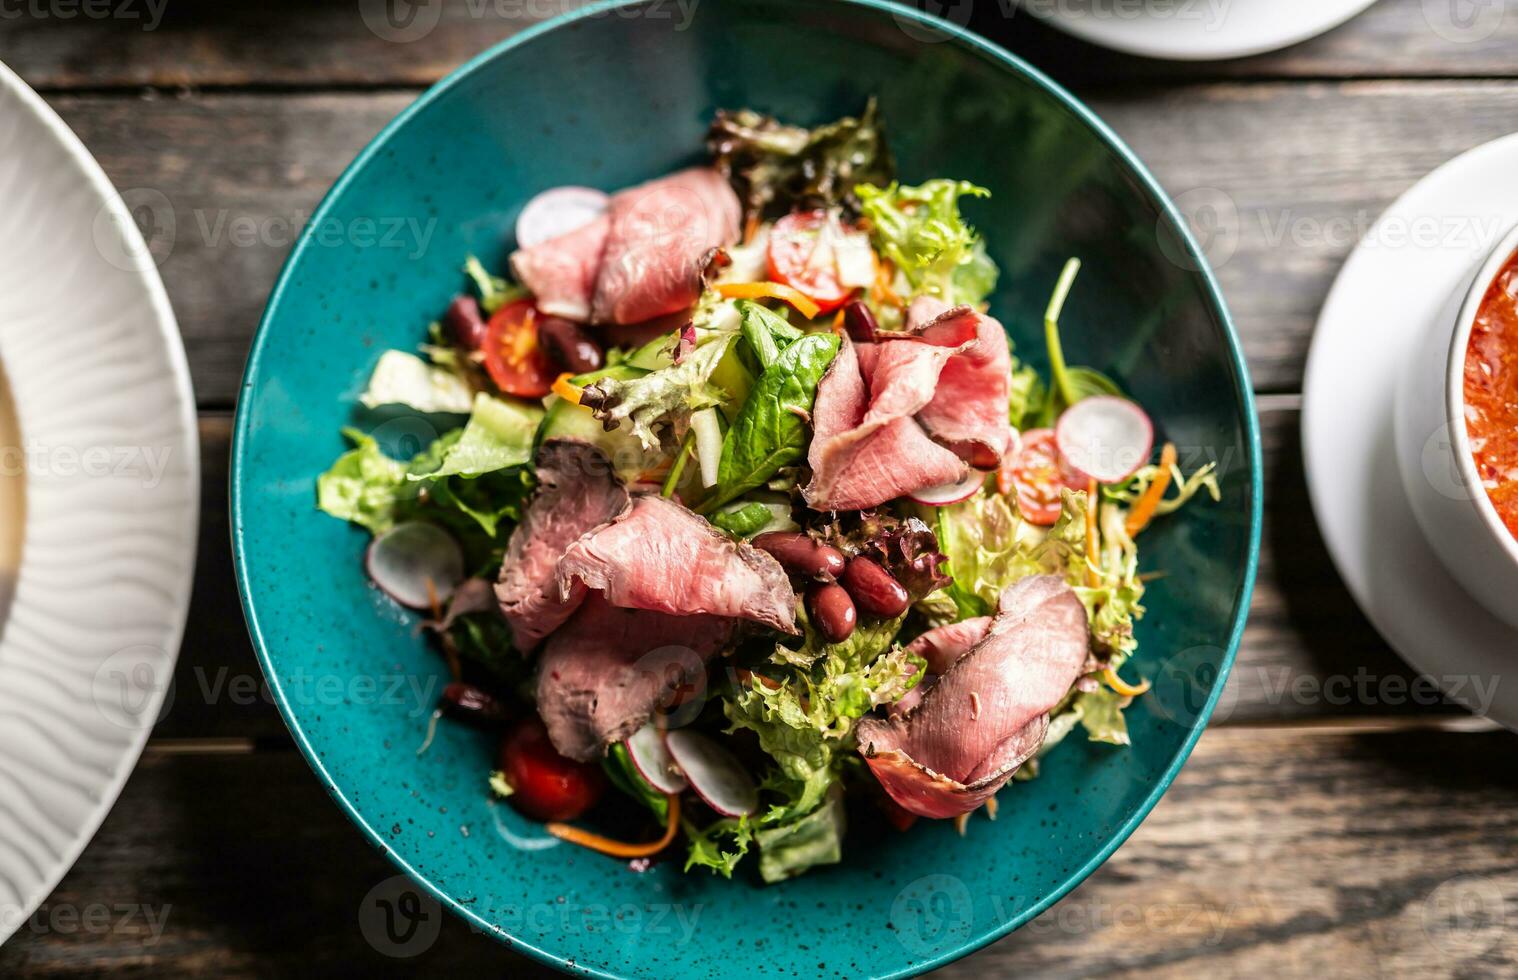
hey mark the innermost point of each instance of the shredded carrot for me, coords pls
(1121, 686)
(961, 822)
(884, 273)
(991, 808)
(616, 848)
(750, 228)
(565, 390)
(838, 323)
(770, 290)
(1093, 503)
(1143, 509)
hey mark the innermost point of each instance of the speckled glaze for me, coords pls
(617, 94)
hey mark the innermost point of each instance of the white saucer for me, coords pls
(1389, 291)
(103, 445)
(1196, 30)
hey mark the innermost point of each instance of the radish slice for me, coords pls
(950, 493)
(1104, 438)
(405, 558)
(714, 773)
(558, 211)
(654, 763)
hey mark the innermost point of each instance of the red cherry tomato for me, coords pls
(516, 362)
(546, 785)
(802, 256)
(1033, 473)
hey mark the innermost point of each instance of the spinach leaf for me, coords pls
(743, 520)
(770, 430)
(766, 332)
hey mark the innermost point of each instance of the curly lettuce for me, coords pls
(920, 230)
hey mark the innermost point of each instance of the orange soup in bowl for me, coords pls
(1491, 393)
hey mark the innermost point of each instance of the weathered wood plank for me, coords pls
(1276, 853)
(290, 43)
(1286, 176)
(1307, 654)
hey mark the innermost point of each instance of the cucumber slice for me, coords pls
(566, 420)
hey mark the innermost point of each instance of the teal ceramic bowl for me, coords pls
(607, 97)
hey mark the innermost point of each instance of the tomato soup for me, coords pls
(1491, 393)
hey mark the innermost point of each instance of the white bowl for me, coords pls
(1434, 450)
(98, 454)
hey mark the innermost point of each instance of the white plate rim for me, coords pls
(1316, 17)
(1427, 618)
(154, 341)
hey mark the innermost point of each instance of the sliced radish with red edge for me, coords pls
(408, 556)
(558, 211)
(714, 773)
(652, 759)
(950, 493)
(1104, 438)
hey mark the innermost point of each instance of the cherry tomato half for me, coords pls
(1033, 473)
(516, 362)
(805, 250)
(546, 785)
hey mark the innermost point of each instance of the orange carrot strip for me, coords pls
(616, 848)
(884, 273)
(1121, 686)
(770, 290)
(1143, 509)
(565, 390)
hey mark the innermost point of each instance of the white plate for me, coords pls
(109, 479)
(1196, 30)
(1387, 294)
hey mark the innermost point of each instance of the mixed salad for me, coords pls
(744, 517)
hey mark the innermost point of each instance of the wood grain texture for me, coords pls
(1307, 653)
(1275, 853)
(296, 44)
(1283, 178)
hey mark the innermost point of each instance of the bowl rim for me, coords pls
(976, 45)
(1454, 392)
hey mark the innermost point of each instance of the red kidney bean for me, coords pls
(468, 703)
(832, 611)
(859, 322)
(464, 322)
(874, 589)
(800, 555)
(569, 344)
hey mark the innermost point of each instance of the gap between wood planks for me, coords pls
(1460, 724)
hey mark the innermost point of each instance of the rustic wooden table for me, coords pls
(1331, 822)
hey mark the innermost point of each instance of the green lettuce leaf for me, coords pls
(805, 705)
(921, 231)
(499, 435)
(1101, 714)
(791, 848)
(494, 291)
(405, 379)
(623, 775)
(666, 396)
(719, 845)
(364, 485)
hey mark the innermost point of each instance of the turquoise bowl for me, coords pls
(609, 96)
